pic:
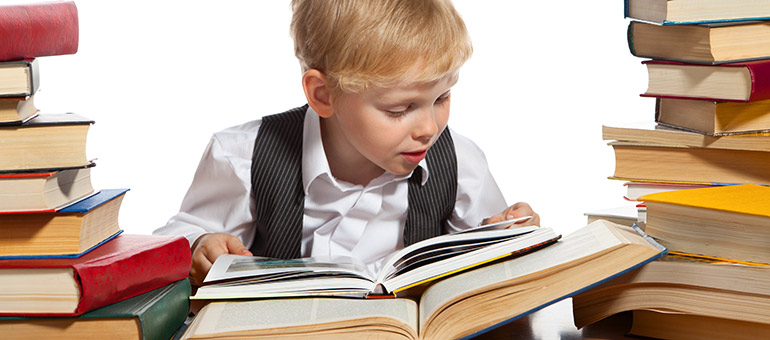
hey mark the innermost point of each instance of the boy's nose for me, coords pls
(426, 126)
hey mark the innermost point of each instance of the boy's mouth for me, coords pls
(415, 157)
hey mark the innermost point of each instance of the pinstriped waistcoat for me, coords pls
(276, 178)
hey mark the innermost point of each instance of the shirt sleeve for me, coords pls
(478, 195)
(219, 198)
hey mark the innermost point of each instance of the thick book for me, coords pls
(651, 133)
(670, 325)
(38, 29)
(123, 267)
(49, 141)
(19, 78)
(234, 276)
(637, 189)
(43, 191)
(17, 110)
(464, 305)
(681, 12)
(684, 164)
(728, 222)
(701, 44)
(682, 283)
(154, 315)
(740, 82)
(714, 118)
(68, 232)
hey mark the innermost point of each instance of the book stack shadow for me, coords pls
(66, 269)
(701, 169)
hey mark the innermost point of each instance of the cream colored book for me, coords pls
(463, 305)
(683, 283)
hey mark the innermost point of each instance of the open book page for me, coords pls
(511, 288)
(230, 267)
(237, 276)
(292, 317)
(528, 241)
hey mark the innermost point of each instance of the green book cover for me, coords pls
(160, 312)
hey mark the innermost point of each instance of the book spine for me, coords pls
(117, 278)
(630, 38)
(36, 30)
(163, 317)
(625, 8)
(760, 80)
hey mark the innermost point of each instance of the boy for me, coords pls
(368, 165)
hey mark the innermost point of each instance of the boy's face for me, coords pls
(388, 129)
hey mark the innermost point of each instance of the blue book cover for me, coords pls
(87, 204)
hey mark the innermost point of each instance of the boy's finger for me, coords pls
(235, 246)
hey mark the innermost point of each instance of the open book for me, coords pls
(463, 305)
(234, 276)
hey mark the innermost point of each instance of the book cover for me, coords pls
(124, 267)
(38, 29)
(712, 43)
(159, 313)
(67, 233)
(43, 191)
(58, 141)
(748, 199)
(758, 71)
(688, 12)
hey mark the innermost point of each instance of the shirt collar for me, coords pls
(315, 164)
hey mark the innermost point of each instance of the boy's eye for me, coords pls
(397, 112)
(443, 98)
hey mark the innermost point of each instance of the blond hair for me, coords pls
(361, 43)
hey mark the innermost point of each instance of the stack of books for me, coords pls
(66, 269)
(700, 169)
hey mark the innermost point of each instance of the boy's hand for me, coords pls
(206, 250)
(517, 210)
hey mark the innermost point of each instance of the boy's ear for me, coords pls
(317, 92)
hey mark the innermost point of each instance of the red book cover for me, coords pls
(124, 267)
(36, 30)
(758, 69)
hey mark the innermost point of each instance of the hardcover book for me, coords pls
(58, 141)
(740, 82)
(43, 191)
(68, 232)
(651, 133)
(154, 315)
(668, 325)
(460, 306)
(715, 118)
(676, 163)
(19, 78)
(123, 267)
(17, 110)
(682, 283)
(702, 44)
(727, 222)
(38, 29)
(679, 12)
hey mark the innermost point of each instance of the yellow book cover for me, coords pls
(749, 199)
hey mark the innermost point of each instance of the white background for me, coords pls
(159, 77)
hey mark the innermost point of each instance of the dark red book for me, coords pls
(124, 267)
(737, 82)
(37, 30)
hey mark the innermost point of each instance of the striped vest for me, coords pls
(276, 178)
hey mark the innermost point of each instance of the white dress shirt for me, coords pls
(340, 218)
